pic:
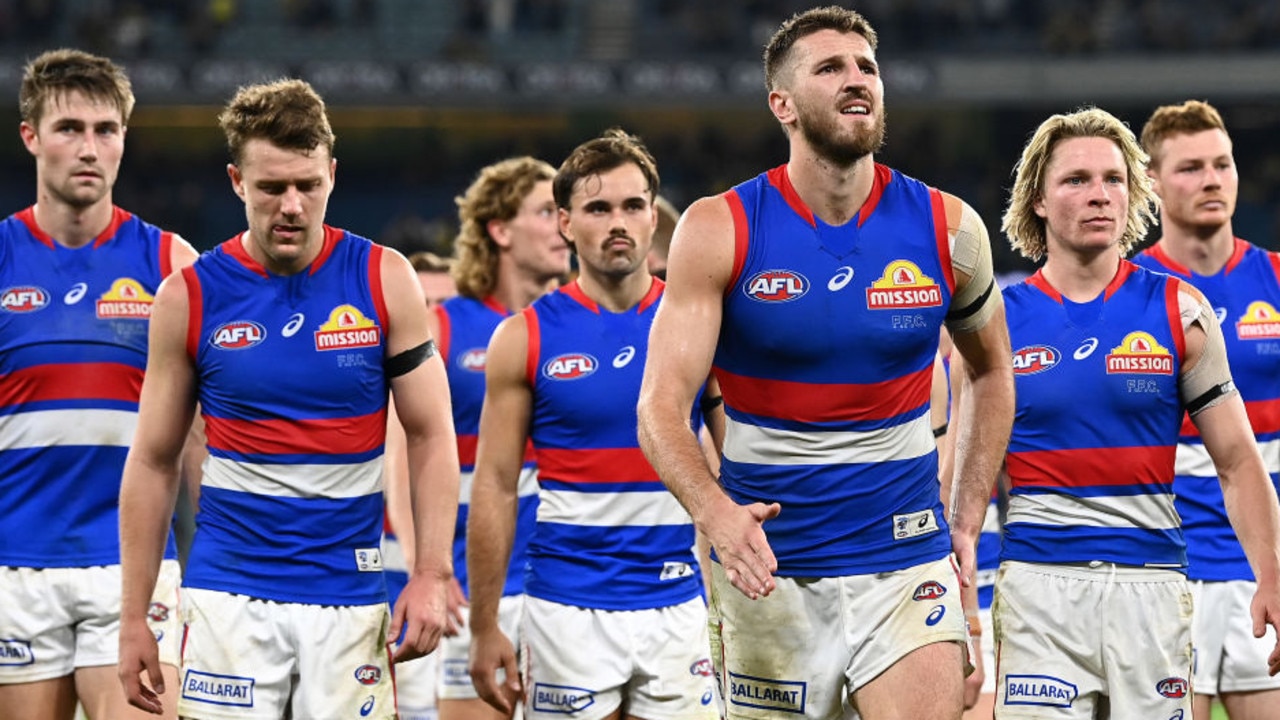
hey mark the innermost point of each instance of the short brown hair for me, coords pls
(62, 71)
(831, 17)
(613, 149)
(496, 194)
(1190, 117)
(288, 113)
(1026, 229)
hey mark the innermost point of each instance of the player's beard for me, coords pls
(825, 136)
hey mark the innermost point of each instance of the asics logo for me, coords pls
(75, 294)
(291, 327)
(624, 356)
(1086, 348)
(840, 279)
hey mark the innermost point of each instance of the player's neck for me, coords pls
(71, 226)
(1080, 277)
(834, 193)
(1203, 250)
(515, 289)
(616, 293)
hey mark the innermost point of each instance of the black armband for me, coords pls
(941, 430)
(961, 313)
(394, 367)
(710, 402)
(1209, 396)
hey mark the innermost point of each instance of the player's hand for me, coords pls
(492, 651)
(973, 683)
(737, 533)
(139, 666)
(455, 600)
(1265, 610)
(966, 553)
(421, 612)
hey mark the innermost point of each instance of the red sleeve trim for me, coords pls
(195, 310)
(166, 254)
(1175, 318)
(535, 345)
(443, 330)
(741, 237)
(375, 287)
(941, 236)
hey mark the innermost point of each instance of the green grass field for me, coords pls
(1218, 712)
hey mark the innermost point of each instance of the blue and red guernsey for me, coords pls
(825, 361)
(1096, 423)
(1245, 294)
(294, 399)
(466, 324)
(609, 535)
(73, 348)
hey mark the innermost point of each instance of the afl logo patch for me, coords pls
(1034, 359)
(570, 366)
(237, 335)
(24, 299)
(931, 590)
(473, 360)
(776, 286)
(1173, 687)
(368, 674)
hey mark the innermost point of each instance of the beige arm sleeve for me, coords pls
(975, 303)
(1209, 381)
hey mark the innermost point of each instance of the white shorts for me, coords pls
(247, 658)
(807, 646)
(1068, 635)
(988, 649)
(579, 663)
(416, 683)
(455, 680)
(54, 620)
(1228, 658)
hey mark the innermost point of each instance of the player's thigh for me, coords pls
(927, 682)
(103, 698)
(475, 709)
(1258, 705)
(50, 699)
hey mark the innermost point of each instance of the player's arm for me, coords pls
(149, 487)
(682, 345)
(421, 401)
(981, 424)
(1218, 413)
(491, 522)
(181, 254)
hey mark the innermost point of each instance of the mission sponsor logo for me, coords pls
(1043, 690)
(218, 689)
(347, 328)
(774, 286)
(473, 360)
(570, 366)
(1173, 687)
(1139, 354)
(1259, 322)
(237, 335)
(1035, 359)
(126, 300)
(561, 698)
(903, 286)
(24, 299)
(767, 693)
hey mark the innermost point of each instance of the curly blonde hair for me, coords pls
(495, 194)
(1025, 229)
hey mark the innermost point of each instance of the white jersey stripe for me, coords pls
(604, 509)
(770, 446)
(1118, 511)
(46, 428)
(1193, 459)
(345, 480)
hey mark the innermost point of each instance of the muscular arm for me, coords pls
(681, 347)
(491, 524)
(421, 402)
(1247, 491)
(982, 422)
(149, 487)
